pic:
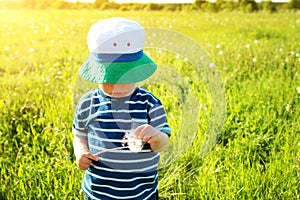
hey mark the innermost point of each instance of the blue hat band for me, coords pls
(104, 57)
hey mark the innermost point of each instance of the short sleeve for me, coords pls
(158, 118)
(78, 126)
(82, 114)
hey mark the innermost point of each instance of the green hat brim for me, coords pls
(117, 72)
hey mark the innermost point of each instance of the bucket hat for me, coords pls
(116, 53)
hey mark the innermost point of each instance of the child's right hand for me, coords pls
(85, 159)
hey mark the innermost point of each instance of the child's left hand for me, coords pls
(157, 140)
(147, 133)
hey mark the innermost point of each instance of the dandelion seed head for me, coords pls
(134, 144)
(281, 49)
(298, 89)
(6, 48)
(31, 50)
(254, 59)
(287, 107)
(218, 46)
(247, 46)
(287, 59)
(220, 52)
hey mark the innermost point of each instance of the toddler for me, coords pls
(119, 128)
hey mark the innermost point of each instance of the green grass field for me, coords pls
(258, 56)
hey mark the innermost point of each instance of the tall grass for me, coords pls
(257, 54)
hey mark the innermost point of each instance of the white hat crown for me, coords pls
(116, 36)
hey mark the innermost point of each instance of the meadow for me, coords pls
(257, 155)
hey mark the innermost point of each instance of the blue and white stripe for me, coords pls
(103, 121)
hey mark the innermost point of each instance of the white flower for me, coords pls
(134, 144)
(247, 46)
(254, 59)
(31, 50)
(218, 46)
(298, 89)
(6, 48)
(220, 52)
(287, 107)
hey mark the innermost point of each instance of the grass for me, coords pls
(258, 56)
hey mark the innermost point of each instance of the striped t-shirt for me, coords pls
(103, 122)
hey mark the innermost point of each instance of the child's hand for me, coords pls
(85, 159)
(157, 140)
(147, 133)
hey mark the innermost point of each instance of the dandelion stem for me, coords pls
(107, 150)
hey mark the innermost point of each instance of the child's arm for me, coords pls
(157, 140)
(83, 156)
